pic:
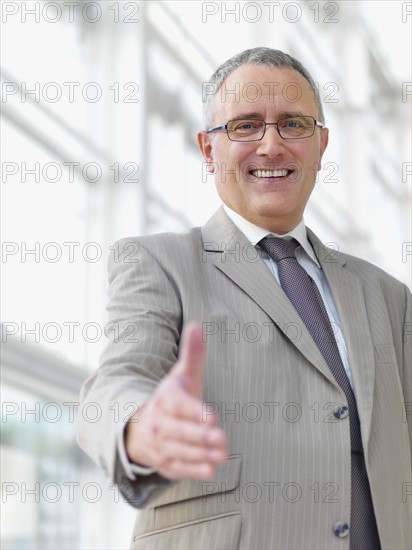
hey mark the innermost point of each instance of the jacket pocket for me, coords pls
(220, 532)
(226, 479)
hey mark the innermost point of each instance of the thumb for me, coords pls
(192, 357)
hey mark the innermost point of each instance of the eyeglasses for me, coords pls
(297, 127)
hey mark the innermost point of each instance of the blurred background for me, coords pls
(101, 102)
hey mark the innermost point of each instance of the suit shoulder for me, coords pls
(163, 244)
(369, 273)
(372, 273)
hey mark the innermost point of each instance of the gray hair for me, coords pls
(255, 56)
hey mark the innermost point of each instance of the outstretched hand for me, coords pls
(171, 433)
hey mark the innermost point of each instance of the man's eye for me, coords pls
(247, 125)
(293, 124)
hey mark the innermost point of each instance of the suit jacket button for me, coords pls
(341, 413)
(341, 529)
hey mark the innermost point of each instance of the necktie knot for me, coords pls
(279, 249)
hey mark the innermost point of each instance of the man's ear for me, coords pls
(324, 139)
(205, 146)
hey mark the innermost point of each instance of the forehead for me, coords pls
(264, 90)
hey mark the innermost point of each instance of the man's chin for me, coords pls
(274, 218)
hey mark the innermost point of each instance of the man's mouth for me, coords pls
(283, 173)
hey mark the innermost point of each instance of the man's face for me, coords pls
(274, 201)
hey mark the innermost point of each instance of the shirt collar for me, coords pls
(254, 233)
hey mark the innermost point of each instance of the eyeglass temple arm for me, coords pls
(223, 127)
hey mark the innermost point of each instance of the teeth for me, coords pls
(270, 173)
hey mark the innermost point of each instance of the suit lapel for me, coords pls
(230, 251)
(348, 294)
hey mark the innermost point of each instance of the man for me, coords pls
(280, 419)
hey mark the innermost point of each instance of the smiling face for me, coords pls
(268, 182)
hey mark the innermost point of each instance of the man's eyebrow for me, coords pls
(247, 116)
(289, 114)
(286, 114)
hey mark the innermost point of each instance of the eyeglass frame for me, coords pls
(225, 127)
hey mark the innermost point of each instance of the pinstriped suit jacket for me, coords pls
(287, 481)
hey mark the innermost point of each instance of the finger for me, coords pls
(192, 357)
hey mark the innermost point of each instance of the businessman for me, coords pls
(265, 380)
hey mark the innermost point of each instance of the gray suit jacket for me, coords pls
(288, 479)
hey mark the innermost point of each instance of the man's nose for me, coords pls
(271, 144)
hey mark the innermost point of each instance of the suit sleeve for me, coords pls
(143, 331)
(407, 363)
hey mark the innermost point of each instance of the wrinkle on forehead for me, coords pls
(264, 91)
